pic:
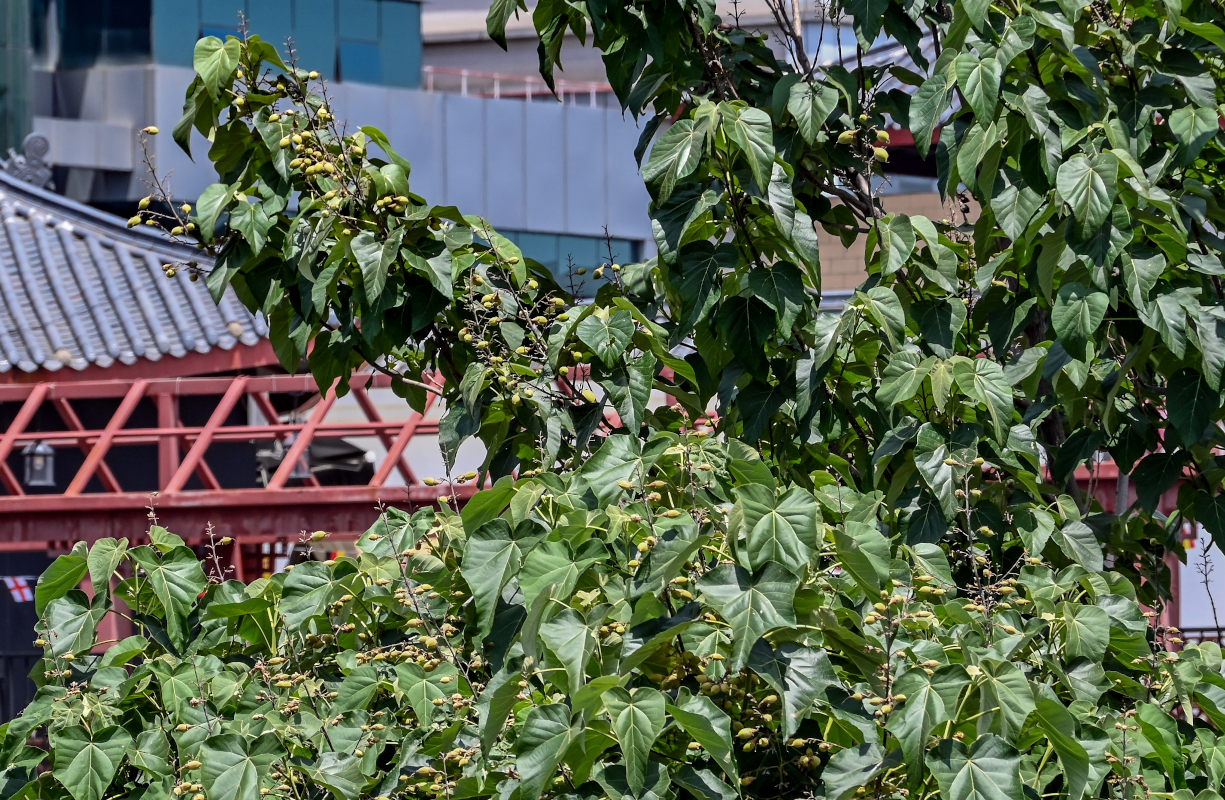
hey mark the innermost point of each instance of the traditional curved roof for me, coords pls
(78, 289)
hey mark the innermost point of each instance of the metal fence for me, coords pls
(1197, 635)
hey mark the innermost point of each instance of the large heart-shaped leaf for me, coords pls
(638, 718)
(608, 335)
(752, 605)
(1089, 185)
(990, 770)
(85, 762)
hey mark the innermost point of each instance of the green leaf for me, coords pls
(903, 377)
(496, 701)
(781, 287)
(1077, 540)
(422, 688)
(703, 784)
(215, 62)
(1086, 631)
(1006, 698)
(983, 380)
(710, 727)
(71, 623)
(608, 335)
(229, 770)
(897, 242)
(1060, 728)
(105, 556)
(375, 257)
(638, 719)
(64, 575)
(777, 530)
(1194, 127)
(212, 201)
(991, 770)
(177, 579)
(1077, 315)
(851, 768)
(1160, 730)
(1089, 187)
(490, 558)
(752, 605)
(753, 133)
(675, 156)
(308, 591)
(1014, 206)
(979, 79)
(571, 642)
(863, 552)
(500, 12)
(151, 753)
(339, 773)
(810, 104)
(930, 700)
(85, 762)
(1195, 404)
(881, 305)
(927, 109)
(800, 674)
(545, 736)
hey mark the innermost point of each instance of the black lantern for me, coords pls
(39, 464)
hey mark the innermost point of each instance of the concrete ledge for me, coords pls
(88, 144)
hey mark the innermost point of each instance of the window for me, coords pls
(97, 30)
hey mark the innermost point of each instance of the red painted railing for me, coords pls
(95, 503)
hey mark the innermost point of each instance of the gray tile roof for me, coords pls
(78, 289)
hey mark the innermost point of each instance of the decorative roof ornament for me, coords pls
(31, 165)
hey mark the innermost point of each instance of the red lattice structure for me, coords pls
(190, 497)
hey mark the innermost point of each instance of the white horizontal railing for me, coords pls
(475, 83)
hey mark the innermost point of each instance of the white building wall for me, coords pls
(528, 166)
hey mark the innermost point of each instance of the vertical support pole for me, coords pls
(167, 446)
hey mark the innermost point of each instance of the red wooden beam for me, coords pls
(37, 522)
(372, 414)
(26, 413)
(167, 446)
(303, 440)
(69, 415)
(98, 451)
(242, 357)
(195, 455)
(411, 426)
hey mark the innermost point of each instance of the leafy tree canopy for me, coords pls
(873, 572)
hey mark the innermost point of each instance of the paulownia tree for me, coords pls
(873, 572)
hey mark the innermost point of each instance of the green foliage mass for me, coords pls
(872, 572)
(666, 621)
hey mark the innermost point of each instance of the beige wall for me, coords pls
(843, 267)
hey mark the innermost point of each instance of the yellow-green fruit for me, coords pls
(880, 153)
(846, 137)
(589, 395)
(134, 221)
(882, 137)
(151, 130)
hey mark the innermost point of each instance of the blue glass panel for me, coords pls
(314, 33)
(221, 13)
(272, 20)
(220, 31)
(360, 62)
(176, 26)
(401, 34)
(359, 19)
